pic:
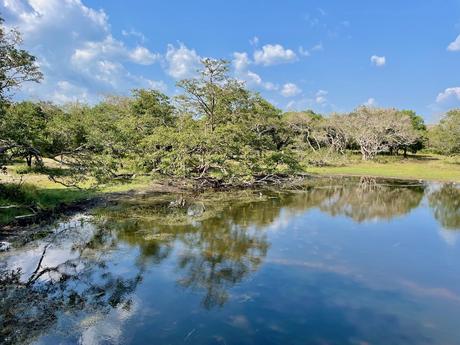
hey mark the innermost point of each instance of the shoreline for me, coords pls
(26, 227)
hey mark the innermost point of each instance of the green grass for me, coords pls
(39, 192)
(30, 189)
(420, 167)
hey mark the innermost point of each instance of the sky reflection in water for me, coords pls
(343, 261)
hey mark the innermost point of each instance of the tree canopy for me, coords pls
(216, 132)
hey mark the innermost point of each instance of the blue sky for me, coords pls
(324, 55)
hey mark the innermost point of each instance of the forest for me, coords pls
(216, 132)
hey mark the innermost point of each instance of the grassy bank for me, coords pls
(419, 167)
(23, 193)
(37, 193)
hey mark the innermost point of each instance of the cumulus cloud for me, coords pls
(77, 53)
(449, 94)
(241, 62)
(378, 61)
(182, 61)
(320, 97)
(455, 45)
(143, 56)
(273, 54)
(67, 92)
(290, 90)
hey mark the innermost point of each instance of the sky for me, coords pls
(329, 55)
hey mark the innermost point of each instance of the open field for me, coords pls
(419, 167)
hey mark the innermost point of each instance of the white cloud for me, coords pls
(455, 45)
(300, 104)
(253, 78)
(254, 41)
(143, 56)
(182, 62)
(241, 64)
(451, 93)
(74, 45)
(290, 90)
(240, 61)
(370, 102)
(66, 92)
(304, 52)
(320, 97)
(134, 33)
(270, 86)
(307, 52)
(378, 61)
(272, 54)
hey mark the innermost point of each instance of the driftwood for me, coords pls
(25, 216)
(10, 206)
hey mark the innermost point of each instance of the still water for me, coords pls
(339, 261)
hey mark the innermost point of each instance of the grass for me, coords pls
(30, 189)
(41, 193)
(420, 167)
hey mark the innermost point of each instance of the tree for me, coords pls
(225, 134)
(212, 96)
(304, 125)
(151, 109)
(445, 137)
(445, 204)
(377, 130)
(16, 65)
(418, 125)
(23, 127)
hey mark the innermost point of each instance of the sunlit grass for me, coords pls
(420, 167)
(29, 190)
(39, 192)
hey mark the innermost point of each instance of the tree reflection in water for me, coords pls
(370, 200)
(445, 203)
(78, 281)
(216, 247)
(225, 244)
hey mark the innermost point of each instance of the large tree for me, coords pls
(377, 130)
(445, 137)
(23, 130)
(419, 130)
(16, 65)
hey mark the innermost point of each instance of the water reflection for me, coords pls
(216, 252)
(66, 274)
(209, 245)
(445, 203)
(226, 242)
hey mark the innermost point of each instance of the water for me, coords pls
(341, 261)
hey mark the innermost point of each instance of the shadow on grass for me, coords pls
(28, 200)
(44, 170)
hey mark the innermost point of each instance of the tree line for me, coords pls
(216, 131)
